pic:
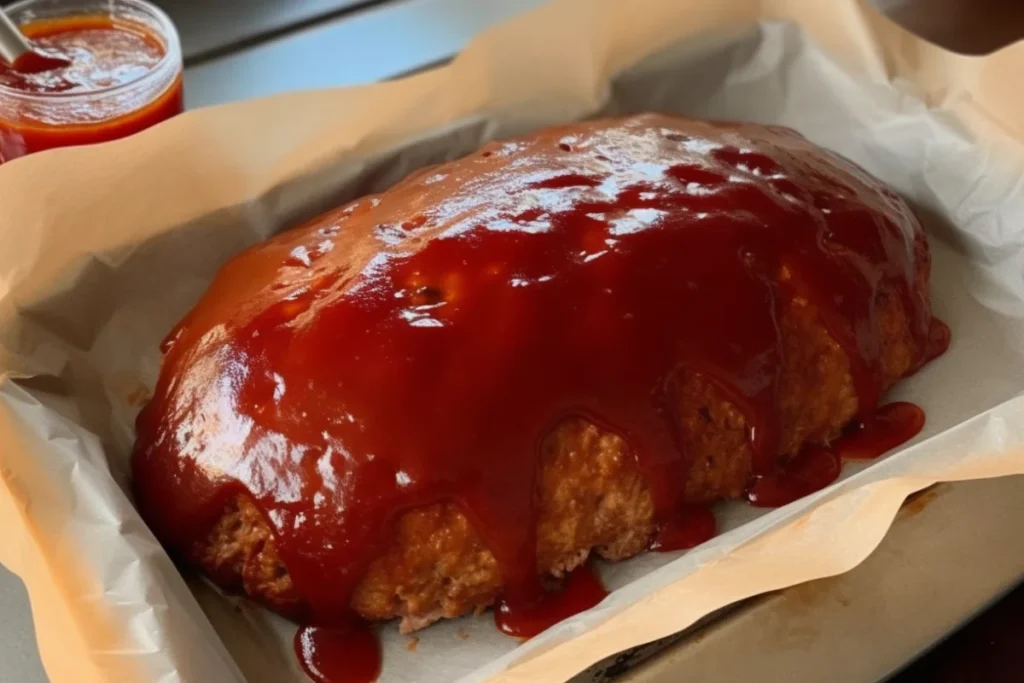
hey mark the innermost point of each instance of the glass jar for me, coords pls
(34, 120)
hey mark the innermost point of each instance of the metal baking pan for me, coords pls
(952, 550)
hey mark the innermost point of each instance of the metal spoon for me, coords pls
(12, 43)
(16, 50)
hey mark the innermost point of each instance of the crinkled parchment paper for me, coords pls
(103, 249)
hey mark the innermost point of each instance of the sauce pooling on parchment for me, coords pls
(416, 346)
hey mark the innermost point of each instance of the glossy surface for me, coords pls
(416, 346)
(811, 470)
(99, 54)
(687, 528)
(32, 62)
(890, 426)
(581, 590)
(93, 98)
(331, 655)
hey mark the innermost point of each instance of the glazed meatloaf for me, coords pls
(428, 398)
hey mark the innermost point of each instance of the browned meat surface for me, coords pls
(592, 498)
(253, 361)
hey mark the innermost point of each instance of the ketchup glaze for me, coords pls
(581, 590)
(338, 655)
(416, 346)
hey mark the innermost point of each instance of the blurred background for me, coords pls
(236, 49)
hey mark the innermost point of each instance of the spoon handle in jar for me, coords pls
(12, 43)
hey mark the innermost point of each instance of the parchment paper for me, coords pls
(102, 249)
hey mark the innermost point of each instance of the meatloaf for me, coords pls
(508, 363)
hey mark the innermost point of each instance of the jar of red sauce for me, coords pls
(124, 74)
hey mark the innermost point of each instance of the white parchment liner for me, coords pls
(102, 249)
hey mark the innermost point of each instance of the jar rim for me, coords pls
(171, 59)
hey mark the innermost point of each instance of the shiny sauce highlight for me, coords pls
(416, 346)
(581, 590)
(94, 52)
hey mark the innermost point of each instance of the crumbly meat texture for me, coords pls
(591, 496)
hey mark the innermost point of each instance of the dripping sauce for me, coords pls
(687, 528)
(892, 425)
(414, 347)
(816, 467)
(811, 470)
(338, 655)
(581, 590)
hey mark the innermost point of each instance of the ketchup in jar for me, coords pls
(120, 72)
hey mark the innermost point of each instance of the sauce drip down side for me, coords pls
(818, 466)
(416, 346)
(581, 590)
